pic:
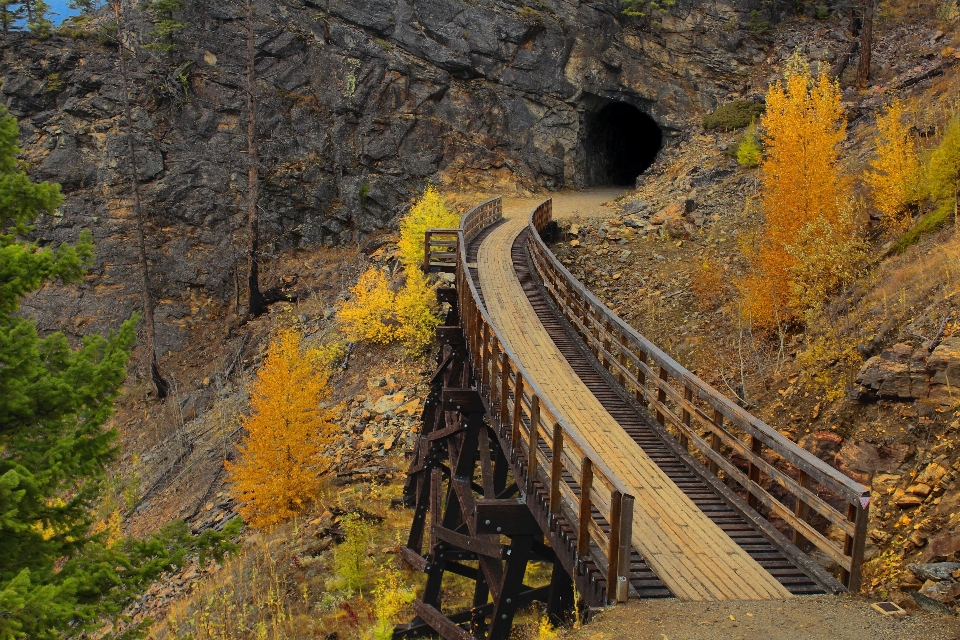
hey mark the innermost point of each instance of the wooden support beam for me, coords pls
(451, 335)
(508, 517)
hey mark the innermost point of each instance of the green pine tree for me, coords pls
(38, 18)
(10, 14)
(54, 401)
(166, 27)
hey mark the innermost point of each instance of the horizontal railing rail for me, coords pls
(539, 437)
(702, 418)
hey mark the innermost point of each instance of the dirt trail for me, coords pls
(802, 618)
(568, 204)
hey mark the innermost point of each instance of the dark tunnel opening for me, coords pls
(620, 142)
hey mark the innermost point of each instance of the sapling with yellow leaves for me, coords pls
(283, 457)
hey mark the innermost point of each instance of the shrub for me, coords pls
(391, 596)
(283, 456)
(805, 198)
(429, 212)
(757, 24)
(368, 316)
(942, 174)
(894, 178)
(733, 115)
(640, 8)
(943, 169)
(377, 314)
(415, 313)
(748, 150)
(350, 556)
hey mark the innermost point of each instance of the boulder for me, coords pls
(943, 365)
(388, 403)
(936, 571)
(899, 372)
(930, 605)
(903, 372)
(942, 547)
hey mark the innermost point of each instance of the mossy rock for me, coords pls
(733, 115)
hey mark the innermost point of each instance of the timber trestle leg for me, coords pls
(467, 513)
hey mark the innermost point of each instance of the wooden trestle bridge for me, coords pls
(554, 432)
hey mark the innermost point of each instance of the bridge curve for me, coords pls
(642, 480)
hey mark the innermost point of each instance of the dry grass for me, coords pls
(282, 585)
(926, 274)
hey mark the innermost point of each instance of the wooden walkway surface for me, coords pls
(690, 554)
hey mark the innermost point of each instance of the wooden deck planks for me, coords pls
(688, 552)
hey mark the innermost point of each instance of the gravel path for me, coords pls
(803, 618)
(567, 204)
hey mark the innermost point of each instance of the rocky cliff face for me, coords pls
(361, 102)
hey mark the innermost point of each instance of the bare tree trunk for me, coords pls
(161, 385)
(866, 46)
(256, 305)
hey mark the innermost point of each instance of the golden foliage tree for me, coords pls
(377, 314)
(416, 317)
(282, 457)
(429, 212)
(895, 172)
(367, 316)
(805, 193)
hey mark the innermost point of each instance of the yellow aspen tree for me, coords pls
(416, 317)
(429, 212)
(803, 186)
(368, 315)
(894, 174)
(283, 456)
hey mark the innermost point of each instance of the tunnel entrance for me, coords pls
(620, 142)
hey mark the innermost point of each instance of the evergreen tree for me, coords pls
(54, 401)
(165, 26)
(10, 13)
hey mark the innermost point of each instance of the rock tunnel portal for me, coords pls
(619, 143)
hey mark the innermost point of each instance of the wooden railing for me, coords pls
(440, 246)
(440, 250)
(709, 424)
(536, 435)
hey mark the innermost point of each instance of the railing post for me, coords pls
(613, 544)
(801, 509)
(853, 547)
(754, 471)
(641, 392)
(517, 409)
(504, 391)
(626, 544)
(534, 413)
(484, 369)
(661, 394)
(494, 370)
(715, 440)
(622, 358)
(556, 469)
(426, 251)
(608, 330)
(586, 506)
(685, 416)
(532, 446)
